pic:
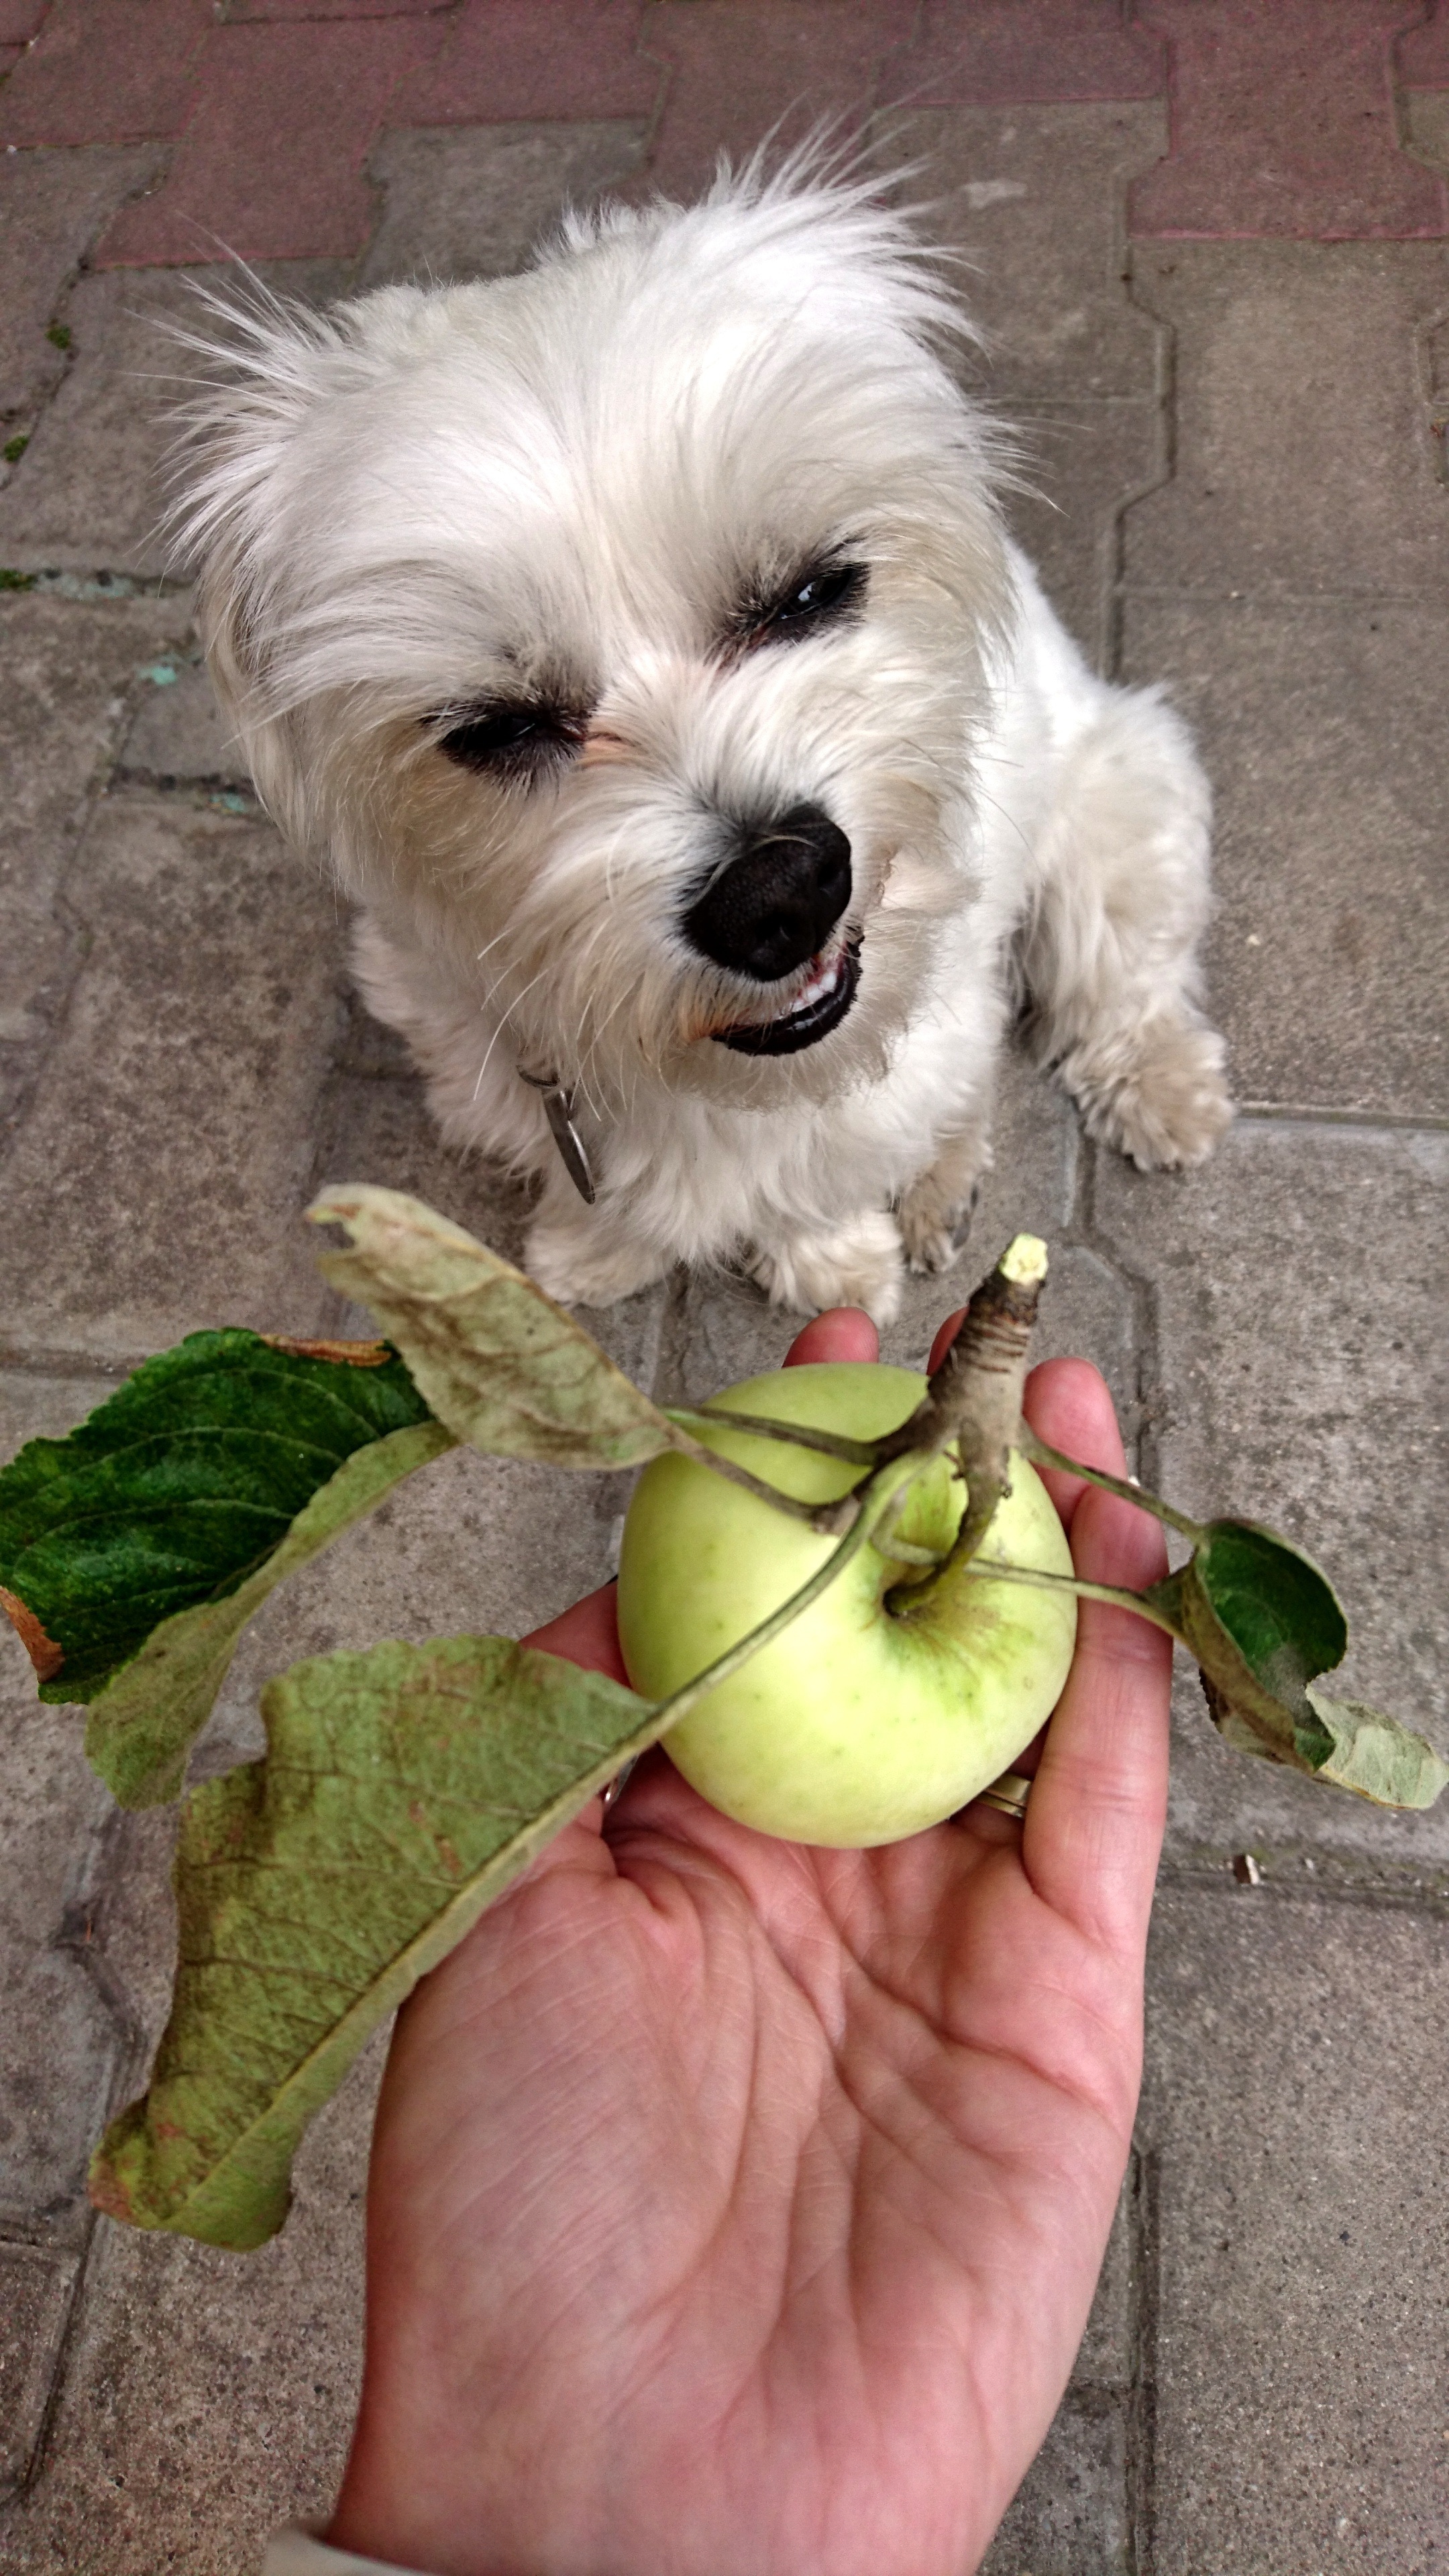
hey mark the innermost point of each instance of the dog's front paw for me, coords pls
(858, 1264)
(936, 1212)
(1159, 1093)
(579, 1261)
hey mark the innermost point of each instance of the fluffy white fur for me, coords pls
(563, 484)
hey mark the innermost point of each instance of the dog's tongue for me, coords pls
(812, 1015)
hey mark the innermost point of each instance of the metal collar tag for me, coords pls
(558, 1109)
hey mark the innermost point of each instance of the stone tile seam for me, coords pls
(1326, 1888)
(18, 2486)
(1083, 1233)
(1164, 466)
(144, 180)
(80, 932)
(1141, 2463)
(1307, 1113)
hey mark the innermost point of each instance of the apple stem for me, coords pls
(1042, 1454)
(1139, 1603)
(795, 1435)
(876, 1501)
(974, 1400)
(689, 1447)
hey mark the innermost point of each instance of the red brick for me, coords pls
(1283, 123)
(988, 53)
(1423, 54)
(515, 58)
(20, 20)
(270, 164)
(238, 11)
(739, 67)
(106, 71)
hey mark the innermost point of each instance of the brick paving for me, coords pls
(1210, 240)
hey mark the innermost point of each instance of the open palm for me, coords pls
(736, 2206)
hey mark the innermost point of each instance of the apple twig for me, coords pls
(1041, 1454)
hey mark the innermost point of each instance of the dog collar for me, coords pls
(558, 1109)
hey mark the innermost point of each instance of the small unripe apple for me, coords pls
(864, 1721)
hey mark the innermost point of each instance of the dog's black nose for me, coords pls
(775, 906)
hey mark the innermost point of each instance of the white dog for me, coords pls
(638, 641)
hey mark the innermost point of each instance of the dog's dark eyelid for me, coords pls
(821, 592)
(509, 740)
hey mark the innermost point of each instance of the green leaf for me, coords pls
(403, 1790)
(498, 1361)
(1264, 1622)
(142, 1726)
(133, 1552)
(1376, 1756)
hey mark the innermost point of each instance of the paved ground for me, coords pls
(1212, 240)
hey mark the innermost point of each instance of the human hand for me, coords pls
(735, 2208)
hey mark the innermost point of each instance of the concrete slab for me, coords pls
(178, 736)
(158, 1180)
(208, 2396)
(472, 201)
(1032, 198)
(1304, 461)
(1322, 724)
(90, 489)
(270, 158)
(1295, 2111)
(1299, 1378)
(62, 2034)
(36, 2288)
(1071, 2512)
(67, 670)
(52, 207)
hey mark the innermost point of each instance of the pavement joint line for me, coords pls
(1143, 2336)
(1322, 1885)
(1389, 1122)
(1086, 1234)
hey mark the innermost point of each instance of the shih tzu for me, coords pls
(638, 641)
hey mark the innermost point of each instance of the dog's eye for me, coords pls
(814, 598)
(510, 740)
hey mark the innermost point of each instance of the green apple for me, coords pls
(866, 1720)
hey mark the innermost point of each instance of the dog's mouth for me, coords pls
(817, 1009)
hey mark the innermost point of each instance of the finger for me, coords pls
(586, 1635)
(943, 1341)
(1094, 1825)
(1067, 1404)
(843, 1333)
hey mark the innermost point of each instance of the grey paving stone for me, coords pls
(1304, 461)
(66, 671)
(1301, 1379)
(1322, 724)
(208, 2396)
(89, 490)
(466, 201)
(53, 205)
(158, 1180)
(1033, 198)
(1296, 2110)
(36, 2285)
(1070, 2516)
(1081, 463)
(60, 2038)
(178, 735)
